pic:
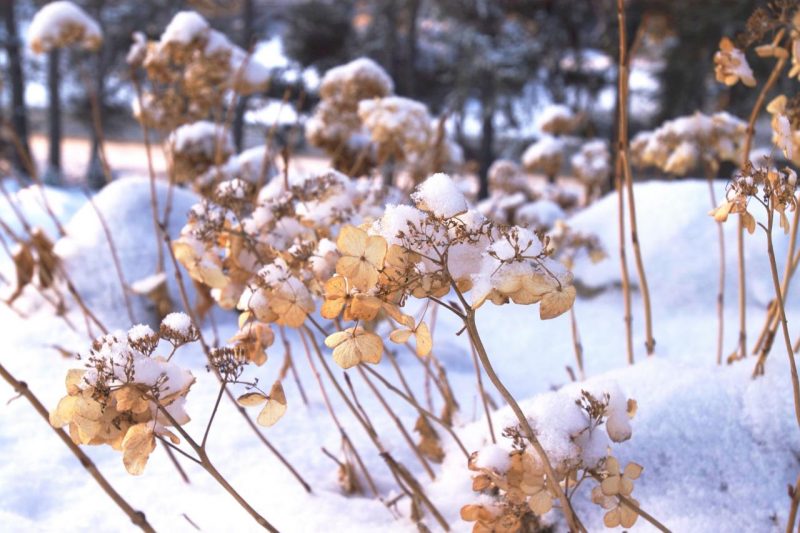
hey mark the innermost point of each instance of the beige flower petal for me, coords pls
(275, 407)
(138, 444)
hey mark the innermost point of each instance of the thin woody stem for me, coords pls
(782, 311)
(137, 517)
(624, 64)
(748, 142)
(552, 480)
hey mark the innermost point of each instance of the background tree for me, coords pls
(19, 115)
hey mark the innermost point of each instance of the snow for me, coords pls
(201, 137)
(178, 322)
(60, 24)
(185, 27)
(440, 195)
(125, 205)
(718, 447)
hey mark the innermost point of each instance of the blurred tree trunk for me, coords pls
(95, 173)
(486, 155)
(52, 175)
(410, 60)
(248, 33)
(19, 115)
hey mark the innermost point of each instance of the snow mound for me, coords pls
(125, 205)
(705, 437)
(679, 246)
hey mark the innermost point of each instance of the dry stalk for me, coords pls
(346, 441)
(626, 283)
(782, 311)
(204, 462)
(576, 342)
(206, 350)
(482, 392)
(748, 142)
(114, 256)
(137, 517)
(624, 63)
(399, 423)
(721, 288)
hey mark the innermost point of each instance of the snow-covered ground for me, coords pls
(718, 448)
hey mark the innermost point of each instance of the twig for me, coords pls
(137, 517)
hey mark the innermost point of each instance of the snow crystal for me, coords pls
(441, 196)
(178, 322)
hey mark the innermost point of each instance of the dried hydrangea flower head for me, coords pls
(126, 396)
(682, 144)
(510, 478)
(335, 125)
(190, 69)
(545, 155)
(773, 189)
(557, 119)
(730, 65)
(194, 148)
(786, 125)
(592, 165)
(62, 24)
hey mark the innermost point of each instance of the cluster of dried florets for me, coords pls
(772, 188)
(335, 125)
(772, 31)
(269, 256)
(63, 24)
(34, 262)
(681, 145)
(592, 165)
(126, 396)
(730, 65)
(426, 251)
(514, 199)
(513, 483)
(567, 244)
(194, 148)
(404, 133)
(191, 70)
(361, 124)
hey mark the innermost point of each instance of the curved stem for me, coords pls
(784, 326)
(552, 480)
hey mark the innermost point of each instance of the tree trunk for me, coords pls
(53, 173)
(248, 32)
(95, 173)
(410, 59)
(19, 115)
(487, 150)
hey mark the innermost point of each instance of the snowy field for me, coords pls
(718, 448)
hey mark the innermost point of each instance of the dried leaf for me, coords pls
(556, 302)
(138, 444)
(275, 407)
(424, 340)
(251, 399)
(400, 336)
